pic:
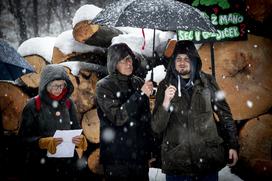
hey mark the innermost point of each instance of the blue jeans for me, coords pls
(209, 177)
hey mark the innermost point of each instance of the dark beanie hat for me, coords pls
(185, 47)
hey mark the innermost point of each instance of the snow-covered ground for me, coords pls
(224, 175)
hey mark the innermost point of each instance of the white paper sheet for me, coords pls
(66, 148)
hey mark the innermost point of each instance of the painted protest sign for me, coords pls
(228, 17)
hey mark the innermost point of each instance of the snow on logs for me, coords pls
(243, 71)
(67, 48)
(37, 52)
(13, 100)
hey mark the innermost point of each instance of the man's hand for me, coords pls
(147, 88)
(233, 156)
(168, 96)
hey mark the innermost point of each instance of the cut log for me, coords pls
(255, 151)
(243, 71)
(91, 57)
(94, 164)
(259, 11)
(91, 126)
(84, 89)
(169, 50)
(13, 100)
(33, 79)
(93, 34)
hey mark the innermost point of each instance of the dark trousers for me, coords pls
(126, 172)
(208, 177)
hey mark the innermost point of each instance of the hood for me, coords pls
(116, 53)
(54, 72)
(186, 47)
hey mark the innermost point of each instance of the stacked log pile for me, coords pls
(243, 72)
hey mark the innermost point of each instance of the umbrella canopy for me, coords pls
(12, 64)
(154, 14)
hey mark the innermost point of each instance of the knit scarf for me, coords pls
(59, 97)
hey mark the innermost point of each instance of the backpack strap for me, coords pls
(38, 103)
(68, 103)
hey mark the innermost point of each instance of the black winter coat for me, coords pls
(124, 113)
(52, 116)
(191, 143)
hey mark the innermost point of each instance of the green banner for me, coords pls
(227, 16)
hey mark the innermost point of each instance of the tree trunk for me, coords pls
(33, 79)
(91, 126)
(255, 151)
(243, 71)
(21, 21)
(35, 18)
(13, 100)
(93, 34)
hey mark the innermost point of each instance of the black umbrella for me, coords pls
(12, 64)
(154, 14)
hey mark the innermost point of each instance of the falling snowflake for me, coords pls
(131, 124)
(171, 108)
(42, 161)
(55, 104)
(60, 120)
(24, 71)
(255, 46)
(108, 135)
(249, 104)
(118, 94)
(125, 129)
(219, 95)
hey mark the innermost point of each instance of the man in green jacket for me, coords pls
(194, 146)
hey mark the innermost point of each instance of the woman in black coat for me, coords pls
(124, 113)
(51, 110)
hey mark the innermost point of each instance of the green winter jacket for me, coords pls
(191, 141)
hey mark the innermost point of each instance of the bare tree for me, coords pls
(16, 9)
(35, 18)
